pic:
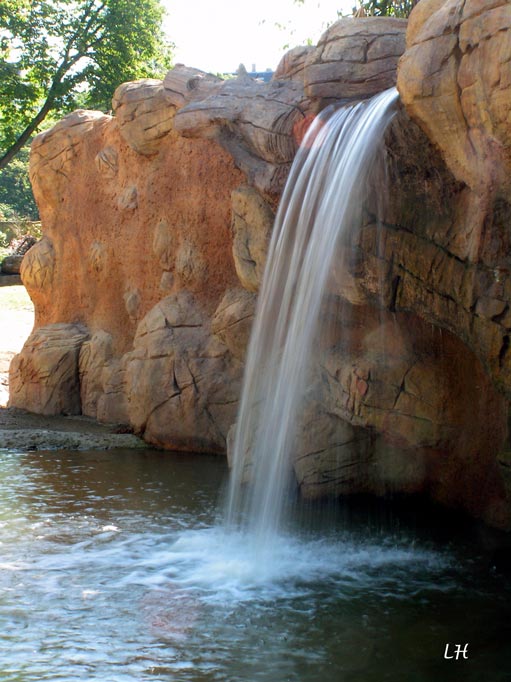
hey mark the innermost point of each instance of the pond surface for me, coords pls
(113, 567)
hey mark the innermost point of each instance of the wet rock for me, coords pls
(332, 455)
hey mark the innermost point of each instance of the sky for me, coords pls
(219, 35)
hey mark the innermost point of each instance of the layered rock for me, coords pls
(386, 414)
(44, 376)
(157, 222)
(454, 80)
(355, 59)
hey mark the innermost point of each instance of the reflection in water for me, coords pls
(112, 568)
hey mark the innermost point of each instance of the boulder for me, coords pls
(11, 265)
(180, 375)
(38, 266)
(144, 115)
(232, 321)
(454, 81)
(252, 223)
(119, 219)
(355, 59)
(95, 356)
(385, 414)
(44, 377)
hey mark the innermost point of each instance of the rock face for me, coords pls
(157, 222)
(180, 374)
(355, 59)
(454, 80)
(385, 414)
(44, 378)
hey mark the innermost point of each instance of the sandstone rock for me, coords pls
(252, 222)
(228, 111)
(454, 81)
(128, 199)
(274, 105)
(164, 246)
(167, 281)
(183, 84)
(399, 470)
(355, 58)
(384, 414)
(292, 64)
(422, 260)
(95, 355)
(38, 266)
(112, 402)
(189, 265)
(132, 301)
(233, 319)
(263, 151)
(43, 378)
(332, 455)
(179, 375)
(100, 202)
(144, 114)
(107, 162)
(98, 258)
(52, 156)
(399, 377)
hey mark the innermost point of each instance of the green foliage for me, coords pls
(58, 54)
(380, 8)
(16, 198)
(389, 8)
(13, 231)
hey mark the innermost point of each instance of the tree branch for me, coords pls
(27, 133)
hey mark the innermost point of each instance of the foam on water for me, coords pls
(225, 566)
(170, 595)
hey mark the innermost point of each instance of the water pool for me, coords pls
(113, 567)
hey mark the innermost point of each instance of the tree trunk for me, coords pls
(27, 133)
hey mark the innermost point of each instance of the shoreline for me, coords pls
(21, 430)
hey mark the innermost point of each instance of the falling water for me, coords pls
(322, 200)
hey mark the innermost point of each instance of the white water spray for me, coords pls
(322, 200)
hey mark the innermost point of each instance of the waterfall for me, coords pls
(321, 201)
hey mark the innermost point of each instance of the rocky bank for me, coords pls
(156, 224)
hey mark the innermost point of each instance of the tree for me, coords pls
(389, 8)
(60, 54)
(16, 198)
(378, 8)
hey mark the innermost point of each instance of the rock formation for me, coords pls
(156, 227)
